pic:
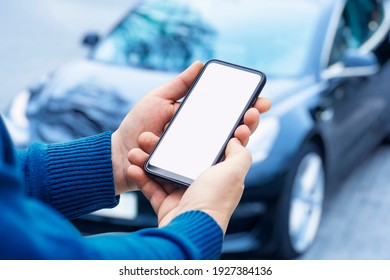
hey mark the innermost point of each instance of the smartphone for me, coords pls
(198, 133)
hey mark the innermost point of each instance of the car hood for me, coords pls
(113, 84)
(133, 83)
(86, 97)
(129, 83)
(278, 90)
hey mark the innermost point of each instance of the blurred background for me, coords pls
(39, 36)
(320, 183)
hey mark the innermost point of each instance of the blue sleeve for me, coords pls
(32, 230)
(75, 177)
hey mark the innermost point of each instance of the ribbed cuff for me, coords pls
(80, 177)
(201, 231)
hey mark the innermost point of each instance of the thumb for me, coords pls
(237, 155)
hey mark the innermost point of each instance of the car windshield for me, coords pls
(272, 36)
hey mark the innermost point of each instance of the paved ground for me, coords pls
(38, 36)
(356, 223)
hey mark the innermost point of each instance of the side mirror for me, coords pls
(91, 39)
(353, 64)
(353, 59)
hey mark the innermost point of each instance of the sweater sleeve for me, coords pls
(33, 230)
(75, 177)
(192, 235)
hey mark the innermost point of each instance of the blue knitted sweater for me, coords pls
(45, 186)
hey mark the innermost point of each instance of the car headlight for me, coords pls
(16, 120)
(17, 110)
(263, 139)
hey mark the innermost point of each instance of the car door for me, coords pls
(355, 104)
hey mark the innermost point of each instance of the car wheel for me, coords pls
(301, 204)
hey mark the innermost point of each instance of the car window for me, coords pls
(157, 33)
(168, 35)
(360, 19)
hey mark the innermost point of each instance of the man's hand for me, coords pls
(151, 113)
(217, 191)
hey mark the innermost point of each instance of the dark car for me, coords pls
(328, 78)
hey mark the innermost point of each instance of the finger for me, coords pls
(168, 211)
(251, 119)
(176, 106)
(237, 155)
(178, 87)
(170, 188)
(262, 104)
(147, 141)
(242, 133)
(155, 194)
(137, 156)
(138, 175)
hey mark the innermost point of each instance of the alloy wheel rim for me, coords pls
(306, 203)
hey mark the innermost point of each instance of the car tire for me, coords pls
(300, 207)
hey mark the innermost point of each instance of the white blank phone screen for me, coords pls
(197, 134)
